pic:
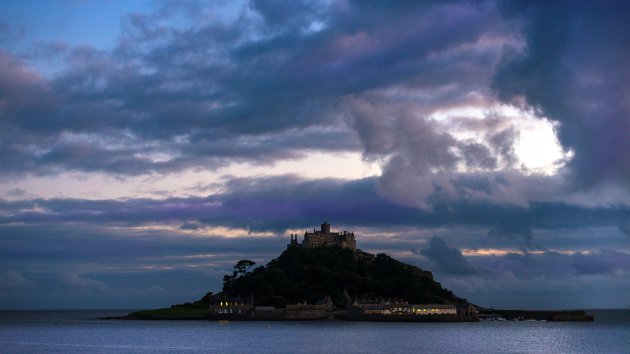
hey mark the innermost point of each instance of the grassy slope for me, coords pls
(174, 313)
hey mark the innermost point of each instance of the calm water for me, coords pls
(81, 332)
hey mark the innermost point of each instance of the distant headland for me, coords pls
(325, 276)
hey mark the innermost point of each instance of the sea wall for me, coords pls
(403, 318)
(569, 315)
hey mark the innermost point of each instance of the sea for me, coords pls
(83, 332)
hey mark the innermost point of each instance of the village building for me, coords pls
(322, 309)
(466, 310)
(395, 307)
(433, 309)
(381, 306)
(371, 307)
(232, 306)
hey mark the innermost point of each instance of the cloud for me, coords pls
(283, 202)
(545, 279)
(572, 70)
(23, 92)
(271, 82)
(448, 260)
(511, 229)
(16, 192)
(420, 161)
(190, 226)
(135, 244)
(601, 263)
(424, 89)
(268, 83)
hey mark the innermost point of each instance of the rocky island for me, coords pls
(324, 277)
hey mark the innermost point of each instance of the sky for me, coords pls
(145, 147)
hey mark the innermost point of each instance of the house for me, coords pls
(232, 306)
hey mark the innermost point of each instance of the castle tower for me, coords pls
(325, 228)
(294, 241)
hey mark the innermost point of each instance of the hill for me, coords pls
(309, 274)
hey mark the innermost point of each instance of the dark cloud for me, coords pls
(546, 280)
(573, 69)
(278, 81)
(557, 265)
(190, 226)
(601, 263)
(448, 260)
(267, 86)
(101, 265)
(24, 93)
(116, 251)
(278, 203)
(511, 229)
(184, 90)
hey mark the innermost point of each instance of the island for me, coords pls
(325, 276)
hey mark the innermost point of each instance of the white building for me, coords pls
(433, 309)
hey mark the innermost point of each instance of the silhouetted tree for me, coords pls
(242, 267)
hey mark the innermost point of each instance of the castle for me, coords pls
(325, 238)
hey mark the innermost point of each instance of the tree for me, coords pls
(242, 267)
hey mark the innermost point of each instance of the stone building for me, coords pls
(381, 306)
(320, 310)
(466, 310)
(325, 238)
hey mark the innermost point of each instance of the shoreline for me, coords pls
(484, 315)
